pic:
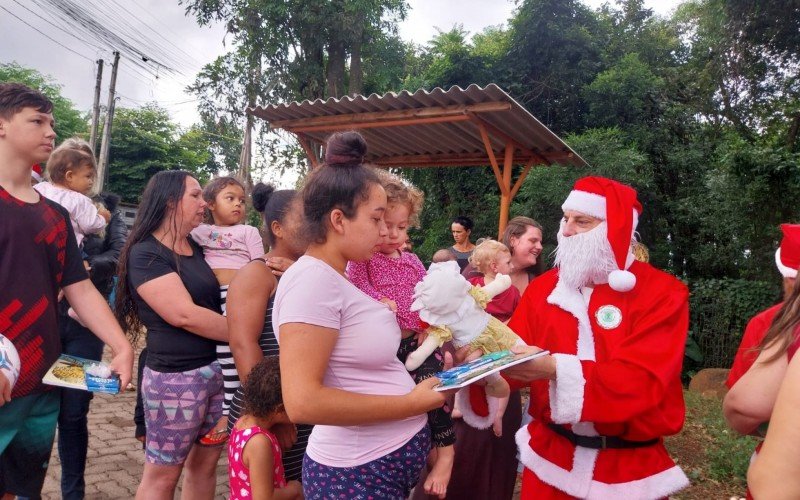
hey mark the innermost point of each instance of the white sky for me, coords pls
(76, 73)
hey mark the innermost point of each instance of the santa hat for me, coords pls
(616, 204)
(36, 172)
(787, 256)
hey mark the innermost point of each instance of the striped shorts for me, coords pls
(230, 377)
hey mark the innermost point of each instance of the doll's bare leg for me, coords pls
(439, 476)
(421, 354)
(501, 283)
(497, 425)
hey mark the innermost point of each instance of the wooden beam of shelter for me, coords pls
(395, 123)
(505, 137)
(441, 159)
(359, 119)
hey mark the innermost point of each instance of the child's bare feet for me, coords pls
(439, 477)
(217, 435)
(497, 426)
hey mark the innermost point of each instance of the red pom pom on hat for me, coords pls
(787, 256)
(618, 205)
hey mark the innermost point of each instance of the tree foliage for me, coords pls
(145, 141)
(69, 121)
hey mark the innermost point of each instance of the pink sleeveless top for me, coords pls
(239, 473)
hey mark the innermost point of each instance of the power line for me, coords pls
(120, 37)
(180, 52)
(47, 36)
(166, 27)
(59, 27)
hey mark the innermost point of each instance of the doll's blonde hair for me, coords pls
(398, 191)
(486, 253)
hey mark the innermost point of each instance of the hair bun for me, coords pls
(261, 194)
(345, 149)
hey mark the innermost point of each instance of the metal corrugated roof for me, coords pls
(440, 127)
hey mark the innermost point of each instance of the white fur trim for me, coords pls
(575, 482)
(786, 272)
(472, 418)
(586, 203)
(566, 391)
(579, 481)
(573, 302)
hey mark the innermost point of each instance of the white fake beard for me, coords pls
(584, 258)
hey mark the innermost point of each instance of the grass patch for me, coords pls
(713, 456)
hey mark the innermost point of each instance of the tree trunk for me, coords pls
(336, 68)
(791, 137)
(356, 70)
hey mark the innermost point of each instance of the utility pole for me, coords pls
(96, 107)
(102, 164)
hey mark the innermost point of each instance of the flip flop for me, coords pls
(214, 438)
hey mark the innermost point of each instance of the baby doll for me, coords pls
(455, 310)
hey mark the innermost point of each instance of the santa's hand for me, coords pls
(543, 367)
(5, 389)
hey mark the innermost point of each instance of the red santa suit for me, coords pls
(619, 350)
(754, 333)
(611, 380)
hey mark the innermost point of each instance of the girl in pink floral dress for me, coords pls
(254, 454)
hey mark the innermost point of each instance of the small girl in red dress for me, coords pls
(492, 258)
(254, 454)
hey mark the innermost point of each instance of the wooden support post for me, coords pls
(305, 143)
(505, 191)
(521, 178)
(487, 143)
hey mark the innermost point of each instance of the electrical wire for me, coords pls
(47, 36)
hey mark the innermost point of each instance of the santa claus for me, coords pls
(610, 391)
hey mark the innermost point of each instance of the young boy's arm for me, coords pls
(97, 316)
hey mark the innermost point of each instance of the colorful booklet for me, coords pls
(469, 373)
(79, 373)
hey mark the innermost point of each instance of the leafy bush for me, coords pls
(719, 311)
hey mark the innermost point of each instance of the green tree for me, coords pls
(145, 141)
(69, 121)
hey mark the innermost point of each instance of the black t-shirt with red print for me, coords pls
(38, 256)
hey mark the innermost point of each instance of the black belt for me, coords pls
(599, 442)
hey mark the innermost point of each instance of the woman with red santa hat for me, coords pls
(610, 391)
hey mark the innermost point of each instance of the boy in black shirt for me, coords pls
(38, 256)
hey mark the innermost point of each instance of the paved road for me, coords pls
(115, 458)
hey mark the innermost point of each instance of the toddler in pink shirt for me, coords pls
(228, 245)
(389, 277)
(255, 469)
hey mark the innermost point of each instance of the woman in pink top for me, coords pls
(338, 345)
